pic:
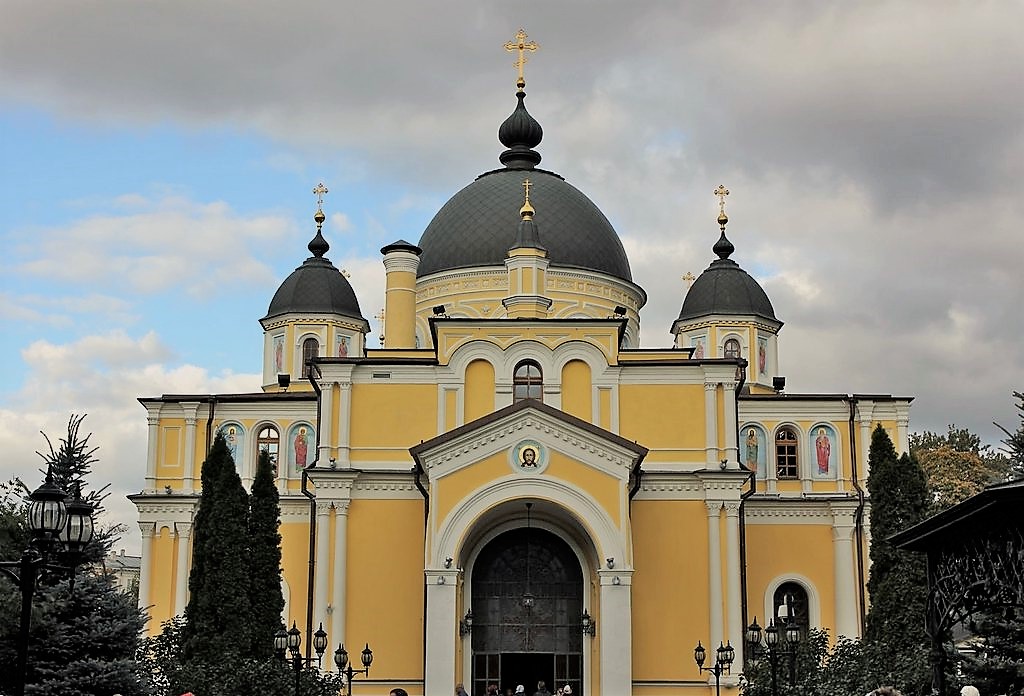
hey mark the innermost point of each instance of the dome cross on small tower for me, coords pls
(521, 45)
(722, 192)
(527, 210)
(319, 246)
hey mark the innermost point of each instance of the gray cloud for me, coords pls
(874, 150)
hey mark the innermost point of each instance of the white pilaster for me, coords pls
(323, 530)
(442, 631)
(326, 424)
(153, 421)
(714, 572)
(710, 424)
(735, 629)
(616, 632)
(339, 602)
(181, 566)
(148, 529)
(344, 426)
(732, 451)
(845, 578)
(191, 409)
(902, 437)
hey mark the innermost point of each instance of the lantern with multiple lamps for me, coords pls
(60, 527)
(776, 643)
(286, 645)
(345, 667)
(724, 656)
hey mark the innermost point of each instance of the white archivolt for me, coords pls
(457, 528)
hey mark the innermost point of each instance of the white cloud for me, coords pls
(102, 376)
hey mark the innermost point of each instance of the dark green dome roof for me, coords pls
(725, 288)
(478, 224)
(315, 287)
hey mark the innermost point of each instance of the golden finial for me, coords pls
(319, 190)
(527, 210)
(722, 192)
(380, 317)
(521, 44)
(689, 278)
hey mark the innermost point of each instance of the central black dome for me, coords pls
(478, 225)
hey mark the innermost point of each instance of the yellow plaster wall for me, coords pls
(662, 415)
(605, 489)
(606, 409)
(172, 444)
(576, 390)
(670, 587)
(479, 396)
(450, 490)
(774, 550)
(386, 585)
(295, 565)
(161, 585)
(392, 414)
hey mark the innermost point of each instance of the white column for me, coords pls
(714, 573)
(181, 567)
(615, 630)
(845, 577)
(902, 440)
(326, 433)
(190, 447)
(154, 439)
(732, 450)
(323, 530)
(148, 529)
(442, 632)
(344, 428)
(340, 599)
(710, 425)
(734, 599)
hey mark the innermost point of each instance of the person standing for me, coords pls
(542, 689)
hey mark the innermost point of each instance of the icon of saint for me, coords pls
(751, 445)
(823, 450)
(529, 458)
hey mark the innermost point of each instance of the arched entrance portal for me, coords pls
(527, 599)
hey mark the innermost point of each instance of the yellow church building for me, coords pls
(510, 488)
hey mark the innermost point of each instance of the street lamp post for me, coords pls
(290, 640)
(724, 655)
(60, 528)
(776, 642)
(345, 667)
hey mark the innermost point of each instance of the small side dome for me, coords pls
(725, 288)
(316, 287)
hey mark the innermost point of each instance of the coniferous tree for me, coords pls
(895, 641)
(265, 558)
(82, 643)
(1013, 444)
(218, 616)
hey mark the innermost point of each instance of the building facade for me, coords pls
(510, 488)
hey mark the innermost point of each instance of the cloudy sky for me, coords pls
(158, 160)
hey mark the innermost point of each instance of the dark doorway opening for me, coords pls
(527, 599)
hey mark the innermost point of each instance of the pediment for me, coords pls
(513, 429)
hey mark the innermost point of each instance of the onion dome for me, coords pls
(316, 287)
(478, 224)
(724, 288)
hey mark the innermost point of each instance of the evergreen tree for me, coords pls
(265, 558)
(82, 643)
(895, 641)
(218, 616)
(1013, 444)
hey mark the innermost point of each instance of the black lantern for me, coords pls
(78, 529)
(345, 668)
(753, 633)
(47, 513)
(587, 624)
(466, 625)
(320, 641)
(367, 656)
(724, 655)
(699, 655)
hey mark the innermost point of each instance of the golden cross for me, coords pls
(520, 44)
(721, 192)
(380, 317)
(527, 210)
(689, 278)
(320, 190)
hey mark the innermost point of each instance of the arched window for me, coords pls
(787, 464)
(790, 607)
(268, 439)
(310, 350)
(732, 348)
(527, 382)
